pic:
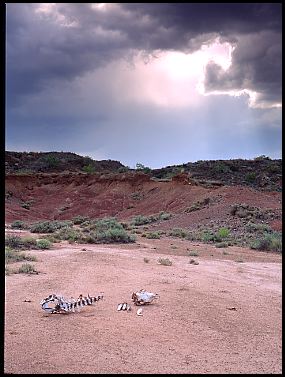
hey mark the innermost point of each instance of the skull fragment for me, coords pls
(143, 297)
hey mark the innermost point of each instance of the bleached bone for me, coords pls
(124, 306)
(139, 312)
(58, 304)
(143, 297)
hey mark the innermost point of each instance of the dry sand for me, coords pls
(192, 328)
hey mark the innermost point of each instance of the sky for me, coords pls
(152, 83)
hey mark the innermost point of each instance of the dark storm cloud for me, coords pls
(76, 38)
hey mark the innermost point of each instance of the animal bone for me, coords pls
(143, 297)
(124, 306)
(61, 305)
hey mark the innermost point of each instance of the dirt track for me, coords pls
(190, 329)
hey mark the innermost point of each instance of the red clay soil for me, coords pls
(63, 196)
(222, 315)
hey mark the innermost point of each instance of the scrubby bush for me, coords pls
(89, 169)
(49, 226)
(143, 220)
(43, 244)
(27, 268)
(29, 242)
(177, 232)
(69, 234)
(14, 242)
(110, 236)
(222, 244)
(18, 224)
(269, 242)
(164, 261)
(250, 177)
(151, 235)
(223, 233)
(12, 256)
(77, 220)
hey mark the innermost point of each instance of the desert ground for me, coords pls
(222, 315)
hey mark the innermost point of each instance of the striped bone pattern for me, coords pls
(62, 305)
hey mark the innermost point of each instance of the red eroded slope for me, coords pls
(64, 196)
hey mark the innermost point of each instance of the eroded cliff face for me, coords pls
(66, 195)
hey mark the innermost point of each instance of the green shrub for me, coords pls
(89, 169)
(142, 220)
(141, 167)
(269, 242)
(250, 177)
(152, 235)
(12, 256)
(18, 224)
(220, 167)
(29, 242)
(164, 216)
(80, 219)
(209, 236)
(260, 228)
(69, 234)
(164, 261)
(51, 161)
(27, 268)
(223, 233)
(108, 223)
(14, 242)
(177, 232)
(43, 244)
(49, 226)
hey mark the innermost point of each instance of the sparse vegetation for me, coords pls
(49, 226)
(26, 204)
(14, 242)
(269, 242)
(18, 224)
(151, 235)
(193, 254)
(90, 169)
(143, 168)
(177, 232)
(12, 255)
(164, 261)
(198, 205)
(77, 220)
(43, 244)
(223, 232)
(250, 177)
(27, 268)
(222, 244)
(143, 220)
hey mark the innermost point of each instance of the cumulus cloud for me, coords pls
(255, 67)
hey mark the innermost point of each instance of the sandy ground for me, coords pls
(190, 329)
